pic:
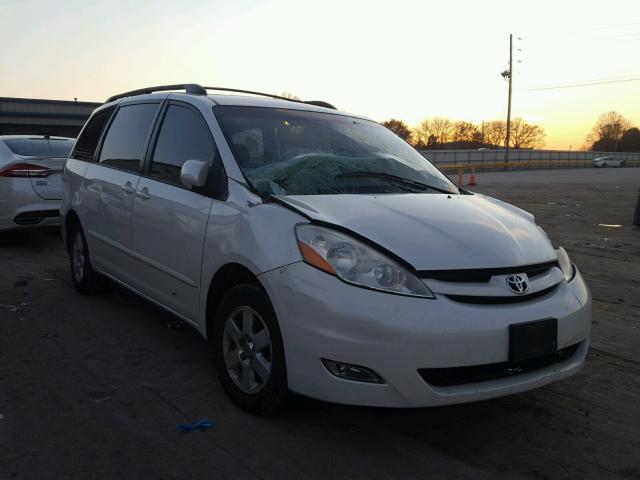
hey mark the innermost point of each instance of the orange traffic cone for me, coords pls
(472, 180)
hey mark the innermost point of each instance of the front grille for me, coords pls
(482, 300)
(446, 377)
(483, 275)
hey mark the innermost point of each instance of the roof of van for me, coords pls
(255, 101)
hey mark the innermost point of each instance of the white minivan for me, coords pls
(318, 252)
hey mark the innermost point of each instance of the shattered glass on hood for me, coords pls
(318, 173)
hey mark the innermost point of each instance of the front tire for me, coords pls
(85, 279)
(249, 352)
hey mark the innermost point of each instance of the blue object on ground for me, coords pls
(199, 425)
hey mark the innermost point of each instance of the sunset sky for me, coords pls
(402, 59)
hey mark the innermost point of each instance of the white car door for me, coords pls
(110, 186)
(169, 220)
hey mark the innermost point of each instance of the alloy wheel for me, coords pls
(247, 349)
(77, 252)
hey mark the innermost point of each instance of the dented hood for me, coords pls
(433, 231)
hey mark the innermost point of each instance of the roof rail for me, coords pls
(192, 88)
(318, 103)
(196, 89)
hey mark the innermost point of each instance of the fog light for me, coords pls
(352, 372)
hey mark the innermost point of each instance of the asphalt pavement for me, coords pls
(95, 386)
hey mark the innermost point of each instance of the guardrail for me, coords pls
(494, 159)
(521, 164)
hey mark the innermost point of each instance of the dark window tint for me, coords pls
(90, 136)
(40, 147)
(127, 136)
(183, 136)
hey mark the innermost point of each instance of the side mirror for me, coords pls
(194, 173)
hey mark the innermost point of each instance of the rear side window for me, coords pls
(126, 138)
(39, 147)
(183, 136)
(88, 141)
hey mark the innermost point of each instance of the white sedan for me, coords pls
(30, 179)
(606, 162)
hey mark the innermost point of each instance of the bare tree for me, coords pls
(421, 135)
(432, 131)
(495, 132)
(526, 135)
(442, 128)
(399, 128)
(465, 132)
(607, 132)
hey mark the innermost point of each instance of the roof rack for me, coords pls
(318, 103)
(196, 89)
(192, 88)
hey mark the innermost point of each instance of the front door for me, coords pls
(170, 220)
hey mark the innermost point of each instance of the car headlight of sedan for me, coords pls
(565, 264)
(354, 262)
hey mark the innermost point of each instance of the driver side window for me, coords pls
(183, 136)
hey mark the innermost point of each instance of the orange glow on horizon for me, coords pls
(407, 59)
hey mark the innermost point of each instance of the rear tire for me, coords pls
(85, 279)
(249, 352)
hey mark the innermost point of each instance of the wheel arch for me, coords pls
(71, 219)
(226, 277)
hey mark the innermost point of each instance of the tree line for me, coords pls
(613, 133)
(440, 133)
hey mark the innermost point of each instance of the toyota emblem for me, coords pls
(518, 283)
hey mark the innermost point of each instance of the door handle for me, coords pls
(143, 194)
(127, 188)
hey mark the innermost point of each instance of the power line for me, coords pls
(624, 35)
(629, 41)
(595, 34)
(555, 87)
(605, 27)
(602, 79)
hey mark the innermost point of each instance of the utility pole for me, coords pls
(510, 74)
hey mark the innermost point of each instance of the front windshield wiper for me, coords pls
(393, 178)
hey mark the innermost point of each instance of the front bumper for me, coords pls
(396, 336)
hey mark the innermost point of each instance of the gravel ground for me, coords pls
(94, 387)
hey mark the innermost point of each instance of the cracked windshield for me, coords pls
(289, 152)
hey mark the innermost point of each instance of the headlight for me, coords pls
(355, 262)
(565, 264)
